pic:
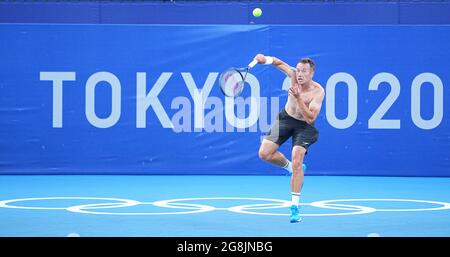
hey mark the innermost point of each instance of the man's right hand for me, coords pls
(260, 58)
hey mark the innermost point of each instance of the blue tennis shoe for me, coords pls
(295, 215)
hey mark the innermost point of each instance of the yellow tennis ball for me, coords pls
(257, 12)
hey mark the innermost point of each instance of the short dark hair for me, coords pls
(306, 60)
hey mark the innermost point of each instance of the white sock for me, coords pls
(288, 166)
(295, 198)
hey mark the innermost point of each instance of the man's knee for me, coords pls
(298, 156)
(267, 150)
(264, 154)
(297, 166)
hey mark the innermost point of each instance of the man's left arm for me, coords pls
(311, 112)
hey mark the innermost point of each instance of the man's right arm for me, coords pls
(278, 63)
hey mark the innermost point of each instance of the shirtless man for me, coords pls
(296, 120)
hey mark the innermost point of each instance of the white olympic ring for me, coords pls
(199, 208)
(322, 204)
(5, 203)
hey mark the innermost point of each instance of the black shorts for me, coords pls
(303, 134)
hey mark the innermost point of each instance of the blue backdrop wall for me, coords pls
(227, 12)
(144, 99)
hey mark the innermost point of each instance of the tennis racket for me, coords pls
(232, 80)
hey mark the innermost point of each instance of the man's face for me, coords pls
(304, 73)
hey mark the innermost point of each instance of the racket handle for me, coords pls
(252, 64)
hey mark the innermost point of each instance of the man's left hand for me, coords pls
(294, 90)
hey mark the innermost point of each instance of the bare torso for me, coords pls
(308, 94)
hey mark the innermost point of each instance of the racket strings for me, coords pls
(232, 83)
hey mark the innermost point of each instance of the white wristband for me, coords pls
(269, 60)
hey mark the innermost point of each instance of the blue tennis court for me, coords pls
(211, 206)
